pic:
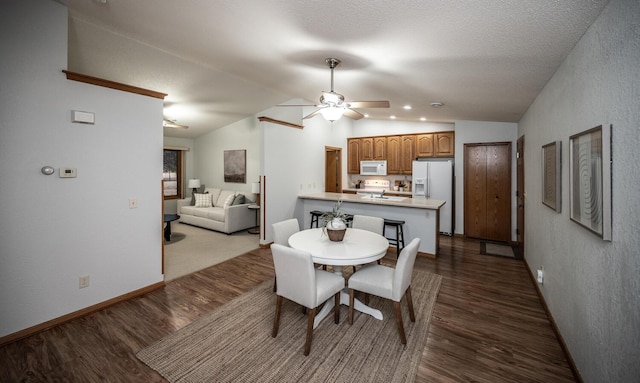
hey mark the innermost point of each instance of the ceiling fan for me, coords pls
(333, 105)
(166, 123)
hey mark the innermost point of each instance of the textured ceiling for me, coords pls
(222, 61)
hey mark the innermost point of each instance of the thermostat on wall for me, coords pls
(68, 172)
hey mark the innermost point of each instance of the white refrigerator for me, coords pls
(433, 178)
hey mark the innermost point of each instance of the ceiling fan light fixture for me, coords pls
(332, 113)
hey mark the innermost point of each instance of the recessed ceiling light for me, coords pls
(407, 107)
(366, 115)
(423, 119)
(392, 117)
(437, 104)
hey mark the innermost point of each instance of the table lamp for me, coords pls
(194, 184)
(255, 189)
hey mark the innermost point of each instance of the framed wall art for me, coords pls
(235, 166)
(590, 180)
(552, 175)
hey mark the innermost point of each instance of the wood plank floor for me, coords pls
(488, 325)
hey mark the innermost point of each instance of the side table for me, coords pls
(255, 230)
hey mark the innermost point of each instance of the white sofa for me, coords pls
(215, 210)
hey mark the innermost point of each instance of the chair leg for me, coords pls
(276, 319)
(412, 314)
(351, 301)
(307, 345)
(366, 299)
(275, 284)
(336, 308)
(403, 338)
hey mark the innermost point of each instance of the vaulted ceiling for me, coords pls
(224, 60)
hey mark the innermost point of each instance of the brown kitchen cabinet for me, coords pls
(407, 153)
(393, 155)
(366, 148)
(444, 144)
(379, 148)
(353, 155)
(424, 145)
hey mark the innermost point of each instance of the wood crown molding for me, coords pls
(113, 85)
(279, 122)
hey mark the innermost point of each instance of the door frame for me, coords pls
(520, 196)
(328, 150)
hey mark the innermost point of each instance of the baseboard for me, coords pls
(77, 314)
(556, 330)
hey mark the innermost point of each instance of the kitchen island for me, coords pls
(421, 215)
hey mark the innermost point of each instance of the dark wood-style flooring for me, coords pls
(488, 324)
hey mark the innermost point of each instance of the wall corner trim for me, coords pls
(113, 85)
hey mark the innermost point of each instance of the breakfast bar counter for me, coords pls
(421, 215)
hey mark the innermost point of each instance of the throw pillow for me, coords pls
(238, 200)
(229, 200)
(203, 200)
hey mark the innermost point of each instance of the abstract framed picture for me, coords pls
(552, 175)
(590, 180)
(235, 166)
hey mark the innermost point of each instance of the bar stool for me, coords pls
(398, 240)
(315, 217)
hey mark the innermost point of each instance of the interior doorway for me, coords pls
(520, 196)
(487, 191)
(332, 169)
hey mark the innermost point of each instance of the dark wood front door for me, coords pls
(520, 196)
(332, 173)
(487, 191)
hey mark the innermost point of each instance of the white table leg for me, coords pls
(344, 299)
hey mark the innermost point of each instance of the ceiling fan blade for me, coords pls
(352, 114)
(297, 105)
(368, 104)
(311, 115)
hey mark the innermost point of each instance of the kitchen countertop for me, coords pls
(416, 203)
(407, 193)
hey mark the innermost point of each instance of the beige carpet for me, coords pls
(234, 343)
(192, 248)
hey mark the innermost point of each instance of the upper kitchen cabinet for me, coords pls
(424, 145)
(407, 153)
(393, 155)
(379, 148)
(444, 144)
(366, 148)
(353, 155)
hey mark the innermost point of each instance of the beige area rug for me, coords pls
(193, 248)
(497, 249)
(234, 343)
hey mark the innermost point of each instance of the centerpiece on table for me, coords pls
(334, 223)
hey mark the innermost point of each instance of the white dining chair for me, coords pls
(365, 222)
(369, 223)
(281, 232)
(389, 283)
(300, 282)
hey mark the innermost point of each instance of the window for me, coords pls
(172, 174)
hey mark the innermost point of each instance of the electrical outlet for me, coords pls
(541, 275)
(84, 281)
(133, 203)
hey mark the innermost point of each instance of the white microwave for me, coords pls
(373, 168)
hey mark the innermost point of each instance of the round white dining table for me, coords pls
(357, 247)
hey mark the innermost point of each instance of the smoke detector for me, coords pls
(437, 104)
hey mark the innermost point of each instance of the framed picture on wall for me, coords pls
(235, 166)
(552, 175)
(590, 180)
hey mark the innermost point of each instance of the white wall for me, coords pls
(592, 287)
(54, 230)
(209, 154)
(468, 132)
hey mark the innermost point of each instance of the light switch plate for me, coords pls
(68, 172)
